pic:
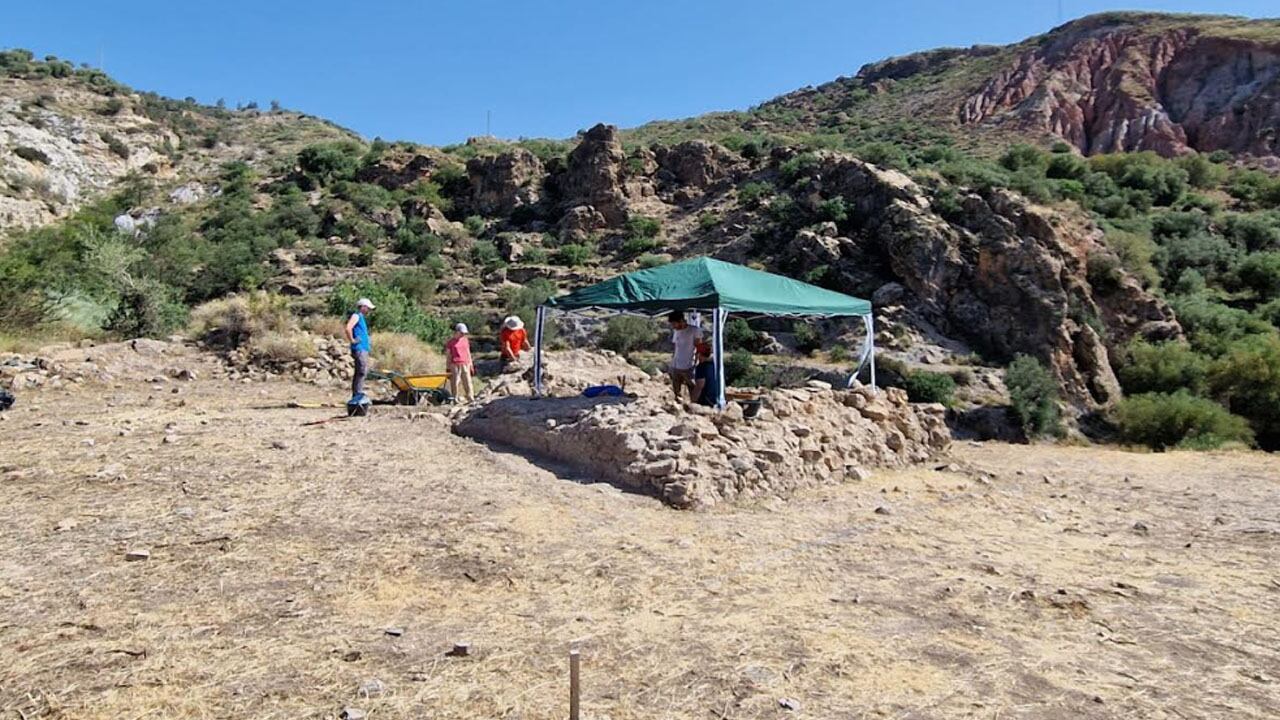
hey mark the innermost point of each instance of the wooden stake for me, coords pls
(573, 685)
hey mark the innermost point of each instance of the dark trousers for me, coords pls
(361, 369)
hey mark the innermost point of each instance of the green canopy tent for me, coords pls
(716, 287)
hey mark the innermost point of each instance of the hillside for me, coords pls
(979, 239)
(68, 135)
(1116, 82)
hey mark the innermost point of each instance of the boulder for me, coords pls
(595, 175)
(695, 163)
(502, 183)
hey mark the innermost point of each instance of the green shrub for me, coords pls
(1033, 396)
(639, 226)
(884, 154)
(738, 335)
(639, 245)
(1210, 255)
(625, 334)
(1161, 420)
(742, 370)
(1247, 380)
(835, 209)
(800, 165)
(417, 284)
(1162, 368)
(367, 197)
(474, 224)
(324, 163)
(415, 241)
(1213, 327)
(524, 300)
(807, 337)
(146, 308)
(751, 194)
(1067, 167)
(572, 255)
(839, 354)
(476, 320)
(1254, 231)
(395, 312)
(1024, 157)
(929, 387)
(1260, 272)
(1201, 171)
(485, 254)
(707, 221)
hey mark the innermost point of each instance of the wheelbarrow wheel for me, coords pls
(406, 397)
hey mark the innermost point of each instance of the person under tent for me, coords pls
(705, 387)
(684, 338)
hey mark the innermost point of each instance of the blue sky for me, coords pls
(429, 71)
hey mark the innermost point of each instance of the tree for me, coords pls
(1033, 396)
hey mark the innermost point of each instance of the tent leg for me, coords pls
(864, 356)
(537, 351)
(871, 343)
(717, 348)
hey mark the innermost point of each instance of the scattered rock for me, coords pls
(460, 650)
(788, 704)
(137, 555)
(1141, 528)
(371, 688)
(883, 510)
(394, 631)
(350, 713)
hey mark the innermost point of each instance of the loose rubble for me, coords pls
(695, 457)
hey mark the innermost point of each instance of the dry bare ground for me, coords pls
(1041, 582)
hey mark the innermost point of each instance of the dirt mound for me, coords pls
(695, 457)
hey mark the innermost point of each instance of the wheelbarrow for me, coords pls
(413, 389)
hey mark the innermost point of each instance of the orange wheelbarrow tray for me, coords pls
(413, 389)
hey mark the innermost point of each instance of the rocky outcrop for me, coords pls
(502, 183)
(696, 458)
(1107, 88)
(595, 175)
(695, 163)
(397, 169)
(1010, 278)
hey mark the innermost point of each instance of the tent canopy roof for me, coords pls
(703, 283)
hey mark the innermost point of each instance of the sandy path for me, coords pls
(986, 592)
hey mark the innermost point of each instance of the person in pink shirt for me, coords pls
(457, 353)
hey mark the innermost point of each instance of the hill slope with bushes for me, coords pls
(1135, 290)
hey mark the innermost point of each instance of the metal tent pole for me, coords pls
(537, 350)
(717, 348)
(871, 341)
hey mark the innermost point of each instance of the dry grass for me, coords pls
(986, 593)
(281, 348)
(326, 325)
(406, 354)
(235, 320)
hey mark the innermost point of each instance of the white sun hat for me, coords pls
(365, 302)
(461, 327)
(513, 322)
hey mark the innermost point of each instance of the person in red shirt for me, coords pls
(457, 353)
(512, 339)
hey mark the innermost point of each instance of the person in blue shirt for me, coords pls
(357, 330)
(705, 387)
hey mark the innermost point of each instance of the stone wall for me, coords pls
(694, 457)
